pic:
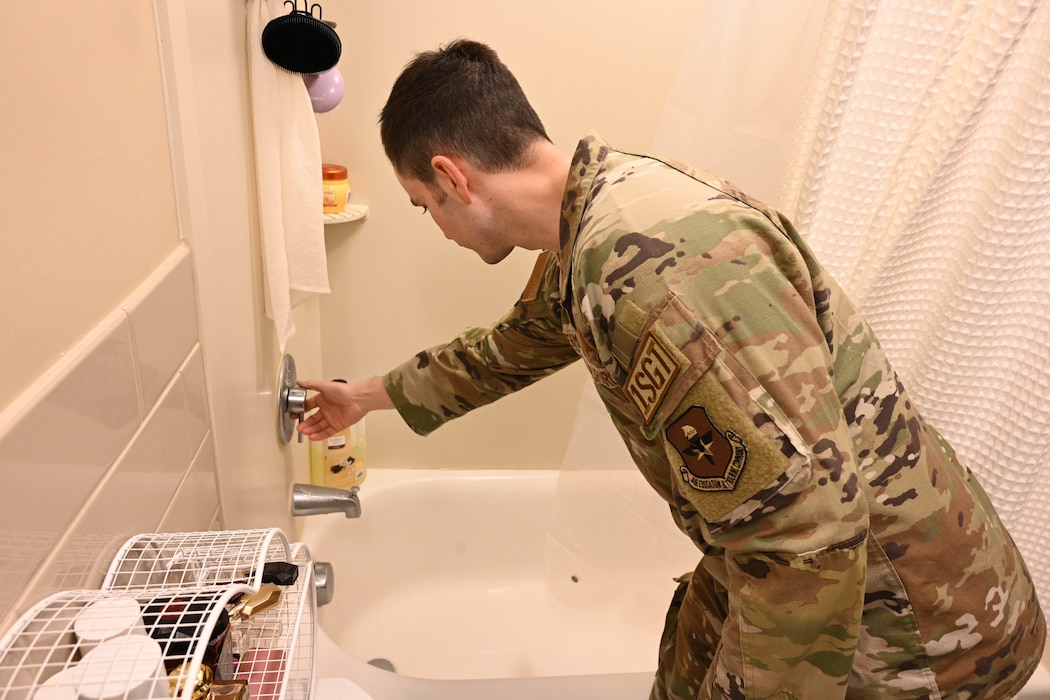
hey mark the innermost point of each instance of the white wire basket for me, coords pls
(194, 616)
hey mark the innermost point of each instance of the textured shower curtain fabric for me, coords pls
(921, 177)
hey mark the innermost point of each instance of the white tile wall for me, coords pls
(113, 440)
(196, 500)
(163, 321)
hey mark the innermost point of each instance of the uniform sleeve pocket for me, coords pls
(731, 448)
(799, 617)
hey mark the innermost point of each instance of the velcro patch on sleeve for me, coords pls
(630, 321)
(719, 458)
(532, 287)
(657, 362)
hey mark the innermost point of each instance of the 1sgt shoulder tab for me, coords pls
(650, 378)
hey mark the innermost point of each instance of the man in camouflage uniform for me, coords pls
(847, 553)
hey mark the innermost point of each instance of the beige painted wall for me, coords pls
(87, 205)
(397, 285)
(682, 78)
(98, 107)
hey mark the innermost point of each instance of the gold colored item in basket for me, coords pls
(178, 678)
(229, 690)
(268, 596)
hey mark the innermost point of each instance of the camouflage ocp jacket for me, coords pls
(852, 553)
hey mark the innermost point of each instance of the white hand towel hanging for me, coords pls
(288, 173)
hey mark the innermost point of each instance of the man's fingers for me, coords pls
(315, 427)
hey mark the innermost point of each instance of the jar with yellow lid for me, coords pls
(336, 188)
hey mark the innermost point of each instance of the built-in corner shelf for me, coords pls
(353, 212)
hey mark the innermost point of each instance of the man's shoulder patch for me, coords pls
(655, 367)
(713, 459)
(720, 459)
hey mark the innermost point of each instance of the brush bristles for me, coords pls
(301, 44)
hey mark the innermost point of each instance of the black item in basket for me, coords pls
(280, 572)
(178, 624)
(300, 42)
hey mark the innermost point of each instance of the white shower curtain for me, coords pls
(730, 110)
(921, 176)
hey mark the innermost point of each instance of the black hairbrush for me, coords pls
(300, 42)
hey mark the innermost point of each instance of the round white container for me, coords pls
(124, 668)
(60, 686)
(107, 618)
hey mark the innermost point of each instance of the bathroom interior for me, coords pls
(141, 369)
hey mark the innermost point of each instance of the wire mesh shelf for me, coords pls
(194, 616)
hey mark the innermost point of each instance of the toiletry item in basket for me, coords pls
(268, 596)
(107, 618)
(60, 686)
(263, 669)
(178, 626)
(282, 573)
(122, 668)
(202, 682)
(253, 635)
(235, 689)
(340, 460)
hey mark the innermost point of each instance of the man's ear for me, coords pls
(451, 175)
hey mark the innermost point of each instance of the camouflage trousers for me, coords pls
(688, 650)
(693, 630)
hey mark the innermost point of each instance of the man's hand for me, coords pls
(340, 405)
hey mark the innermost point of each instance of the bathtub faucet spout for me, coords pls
(314, 500)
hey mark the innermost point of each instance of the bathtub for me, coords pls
(498, 583)
(515, 584)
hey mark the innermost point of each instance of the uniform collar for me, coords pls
(586, 163)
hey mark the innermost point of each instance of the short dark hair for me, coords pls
(459, 100)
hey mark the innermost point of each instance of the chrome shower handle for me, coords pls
(291, 400)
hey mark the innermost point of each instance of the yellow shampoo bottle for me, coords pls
(339, 461)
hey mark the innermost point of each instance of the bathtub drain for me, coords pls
(384, 664)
